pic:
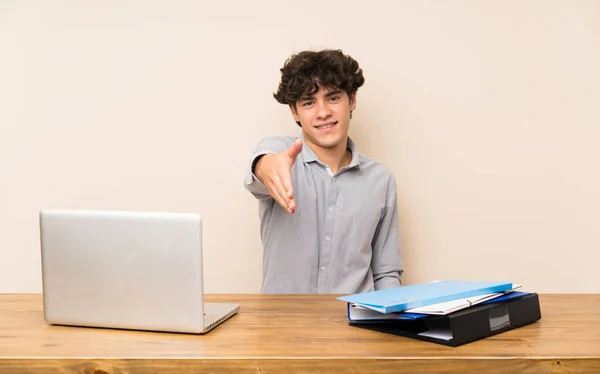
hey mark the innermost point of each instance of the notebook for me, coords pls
(407, 297)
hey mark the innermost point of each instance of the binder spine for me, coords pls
(496, 318)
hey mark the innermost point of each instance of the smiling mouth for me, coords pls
(327, 125)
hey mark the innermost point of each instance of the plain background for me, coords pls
(486, 112)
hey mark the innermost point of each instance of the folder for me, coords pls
(357, 313)
(508, 312)
(455, 305)
(407, 297)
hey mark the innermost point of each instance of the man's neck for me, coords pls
(336, 158)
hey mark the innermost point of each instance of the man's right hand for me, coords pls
(274, 170)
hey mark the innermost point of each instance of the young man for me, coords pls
(328, 214)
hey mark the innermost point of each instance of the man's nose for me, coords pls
(323, 110)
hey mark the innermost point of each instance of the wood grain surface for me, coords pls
(296, 334)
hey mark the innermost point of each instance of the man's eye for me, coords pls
(334, 98)
(307, 103)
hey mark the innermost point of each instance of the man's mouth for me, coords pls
(326, 125)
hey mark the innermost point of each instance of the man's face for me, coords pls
(325, 117)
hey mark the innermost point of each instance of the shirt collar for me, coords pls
(308, 155)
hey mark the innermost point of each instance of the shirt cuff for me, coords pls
(252, 183)
(388, 282)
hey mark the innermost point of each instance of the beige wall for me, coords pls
(485, 111)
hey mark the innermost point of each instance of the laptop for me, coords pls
(126, 270)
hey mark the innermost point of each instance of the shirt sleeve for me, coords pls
(386, 262)
(251, 181)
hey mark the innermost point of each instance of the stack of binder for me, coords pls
(451, 313)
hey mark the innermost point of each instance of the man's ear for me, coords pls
(352, 99)
(295, 114)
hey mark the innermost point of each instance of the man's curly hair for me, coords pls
(303, 73)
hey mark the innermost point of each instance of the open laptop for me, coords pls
(126, 270)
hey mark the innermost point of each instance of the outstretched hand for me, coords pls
(274, 170)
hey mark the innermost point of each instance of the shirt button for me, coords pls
(327, 238)
(334, 179)
(322, 268)
(330, 208)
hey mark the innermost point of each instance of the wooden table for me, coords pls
(295, 334)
